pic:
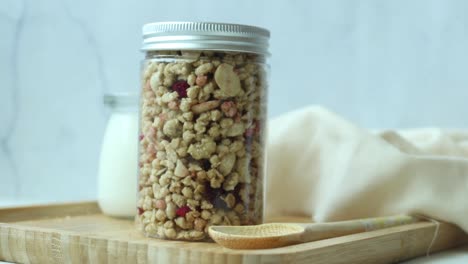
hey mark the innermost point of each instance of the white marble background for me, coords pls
(380, 63)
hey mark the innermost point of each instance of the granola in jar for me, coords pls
(201, 144)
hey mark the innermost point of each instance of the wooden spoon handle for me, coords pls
(318, 231)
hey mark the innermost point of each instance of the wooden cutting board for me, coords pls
(80, 233)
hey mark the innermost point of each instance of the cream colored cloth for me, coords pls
(325, 167)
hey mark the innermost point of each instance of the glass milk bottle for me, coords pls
(117, 178)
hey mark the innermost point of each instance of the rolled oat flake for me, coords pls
(201, 157)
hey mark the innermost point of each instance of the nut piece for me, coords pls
(205, 214)
(202, 150)
(196, 235)
(156, 80)
(178, 199)
(180, 169)
(231, 181)
(236, 130)
(182, 223)
(204, 69)
(199, 224)
(160, 215)
(227, 80)
(229, 108)
(187, 192)
(172, 128)
(227, 163)
(171, 210)
(216, 219)
(169, 97)
(205, 106)
(216, 178)
(170, 233)
(193, 91)
(230, 200)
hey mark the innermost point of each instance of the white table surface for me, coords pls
(454, 256)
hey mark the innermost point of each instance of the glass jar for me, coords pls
(117, 177)
(202, 128)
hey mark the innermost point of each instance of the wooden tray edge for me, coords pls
(449, 235)
(396, 244)
(45, 211)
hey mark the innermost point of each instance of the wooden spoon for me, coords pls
(283, 234)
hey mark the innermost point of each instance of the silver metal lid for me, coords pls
(205, 36)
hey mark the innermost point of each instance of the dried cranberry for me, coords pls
(140, 210)
(182, 211)
(181, 88)
(141, 137)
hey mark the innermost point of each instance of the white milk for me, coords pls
(117, 179)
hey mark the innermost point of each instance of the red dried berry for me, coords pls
(140, 210)
(181, 88)
(182, 211)
(141, 137)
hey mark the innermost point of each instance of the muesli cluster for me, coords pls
(201, 142)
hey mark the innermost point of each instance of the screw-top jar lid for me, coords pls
(205, 36)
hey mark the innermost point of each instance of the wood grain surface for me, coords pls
(79, 233)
